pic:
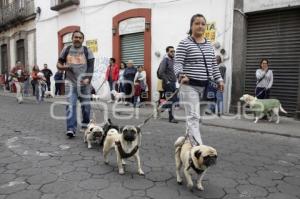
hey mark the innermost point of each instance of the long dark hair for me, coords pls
(192, 21)
(125, 65)
(261, 61)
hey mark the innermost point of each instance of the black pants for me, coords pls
(58, 88)
(128, 92)
(169, 89)
(48, 85)
(262, 93)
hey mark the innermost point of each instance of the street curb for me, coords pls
(253, 131)
(203, 123)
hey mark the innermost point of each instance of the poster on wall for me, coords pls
(210, 32)
(92, 45)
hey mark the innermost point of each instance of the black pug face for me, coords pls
(207, 160)
(97, 132)
(210, 160)
(130, 133)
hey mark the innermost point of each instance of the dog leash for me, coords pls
(158, 109)
(100, 86)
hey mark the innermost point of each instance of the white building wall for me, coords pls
(31, 49)
(169, 25)
(258, 5)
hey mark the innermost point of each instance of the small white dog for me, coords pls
(263, 107)
(126, 144)
(48, 94)
(119, 96)
(93, 133)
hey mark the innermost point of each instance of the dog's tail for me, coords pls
(178, 144)
(281, 109)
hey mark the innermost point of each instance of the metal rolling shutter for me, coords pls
(132, 48)
(275, 35)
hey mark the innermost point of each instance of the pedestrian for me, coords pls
(58, 78)
(112, 76)
(195, 65)
(121, 88)
(47, 73)
(166, 72)
(140, 82)
(264, 77)
(19, 76)
(78, 63)
(129, 75)
(219, 95)
(40, 83)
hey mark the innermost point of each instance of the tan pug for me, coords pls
(126, 144)
(92, 133)
(197, 159)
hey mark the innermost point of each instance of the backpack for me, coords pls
(85, 49)
(157, 72)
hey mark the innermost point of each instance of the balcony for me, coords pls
(58, 5)
(16, 13)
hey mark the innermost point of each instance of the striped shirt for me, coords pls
(190, 60)
(267, 81)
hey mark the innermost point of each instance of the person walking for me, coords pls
(264, 80)
(195, 65)
(129, 75)
(112, 76)
(47, 73)
(40, 83)
(166, 72)
(78, 63)
(19, 76)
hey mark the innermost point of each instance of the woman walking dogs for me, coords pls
(195, 65)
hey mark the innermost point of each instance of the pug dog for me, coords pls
(92, 134)
(193, 158)
(126, 144)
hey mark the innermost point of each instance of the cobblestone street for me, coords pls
(38, 161)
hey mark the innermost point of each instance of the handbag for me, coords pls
(211, 87)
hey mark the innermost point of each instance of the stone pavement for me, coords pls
(38, 161)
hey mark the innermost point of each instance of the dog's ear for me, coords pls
(138, 130)
(197, 154)
(121, 129)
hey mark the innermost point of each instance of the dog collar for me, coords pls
(122, 153)
(192, 165)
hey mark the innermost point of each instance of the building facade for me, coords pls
(139, 30)
(267, 29)
(17, 34)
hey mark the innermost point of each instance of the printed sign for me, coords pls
(210, 32)
(92, 45)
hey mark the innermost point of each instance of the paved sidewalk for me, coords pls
(287, 127)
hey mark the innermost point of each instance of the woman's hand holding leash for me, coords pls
(183, 79)
(221, 86)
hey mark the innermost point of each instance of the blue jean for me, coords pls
(83, 94)
(219, 103)
(39, 91)
(112, 87)
(169, 90)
